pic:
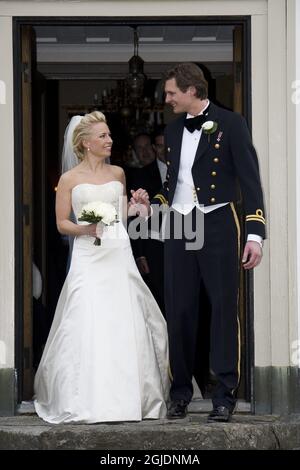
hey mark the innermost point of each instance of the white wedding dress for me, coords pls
(106, 357)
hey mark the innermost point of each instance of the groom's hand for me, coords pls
(139, 203)
(140, 196)
(252, 255)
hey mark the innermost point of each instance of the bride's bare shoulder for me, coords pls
(119, 175)
(118, 172)
(68, 179)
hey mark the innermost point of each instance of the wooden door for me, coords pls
(238, 69)
(39, 186)
(238, 97)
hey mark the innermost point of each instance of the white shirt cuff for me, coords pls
(255, 238)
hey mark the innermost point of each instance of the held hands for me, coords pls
(139, 203)
(252, 255)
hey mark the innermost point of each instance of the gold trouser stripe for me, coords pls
(170, 373)
(239, 349)
(237, 223)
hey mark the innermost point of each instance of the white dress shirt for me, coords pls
(162, 169)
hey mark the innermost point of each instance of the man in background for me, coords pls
(149, 253)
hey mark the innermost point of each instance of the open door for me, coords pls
(27, 56)
(238, 69)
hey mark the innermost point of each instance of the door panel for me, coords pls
(27, 50)
(238, 107)
(238, 69)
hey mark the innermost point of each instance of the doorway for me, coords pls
(52, 90)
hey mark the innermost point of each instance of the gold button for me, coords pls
(168, 163)
(216, 160)
(212, 186)
(217, 146)
(212, 199)
(168, 189)
(198, 189)
(169, 150)
(213, 173)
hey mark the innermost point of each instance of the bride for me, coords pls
(106, 357)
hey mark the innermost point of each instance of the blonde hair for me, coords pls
(83, 130)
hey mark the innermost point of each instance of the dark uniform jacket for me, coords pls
(225, 165)
(147, 177)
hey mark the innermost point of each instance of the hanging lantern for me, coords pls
(135, 80)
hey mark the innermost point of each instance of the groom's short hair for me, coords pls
(188, 74)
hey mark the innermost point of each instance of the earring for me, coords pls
(88, 149)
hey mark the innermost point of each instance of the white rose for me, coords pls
(102, 209)
(109, 214)
(208, 125)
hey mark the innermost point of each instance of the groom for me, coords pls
(208, 167)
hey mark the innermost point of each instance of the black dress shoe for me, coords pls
(219, 414)
(177, 409)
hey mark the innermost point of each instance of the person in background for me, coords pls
(149, 253)
(160, 152)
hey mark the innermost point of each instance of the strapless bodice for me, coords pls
(111, 192)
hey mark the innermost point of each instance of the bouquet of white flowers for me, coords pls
(98, 211)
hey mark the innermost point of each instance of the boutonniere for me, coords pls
(209, 127)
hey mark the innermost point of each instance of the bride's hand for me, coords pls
(140, 196)
(140, 210)
(90, 230)
(99, 229)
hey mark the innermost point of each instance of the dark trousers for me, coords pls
(216, 267)
(154, 252)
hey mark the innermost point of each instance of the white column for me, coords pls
(293, 156)
(278, 183)
(260, 116)
(7, 197)
(296, 102)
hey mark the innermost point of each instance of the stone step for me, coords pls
(192, 433)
